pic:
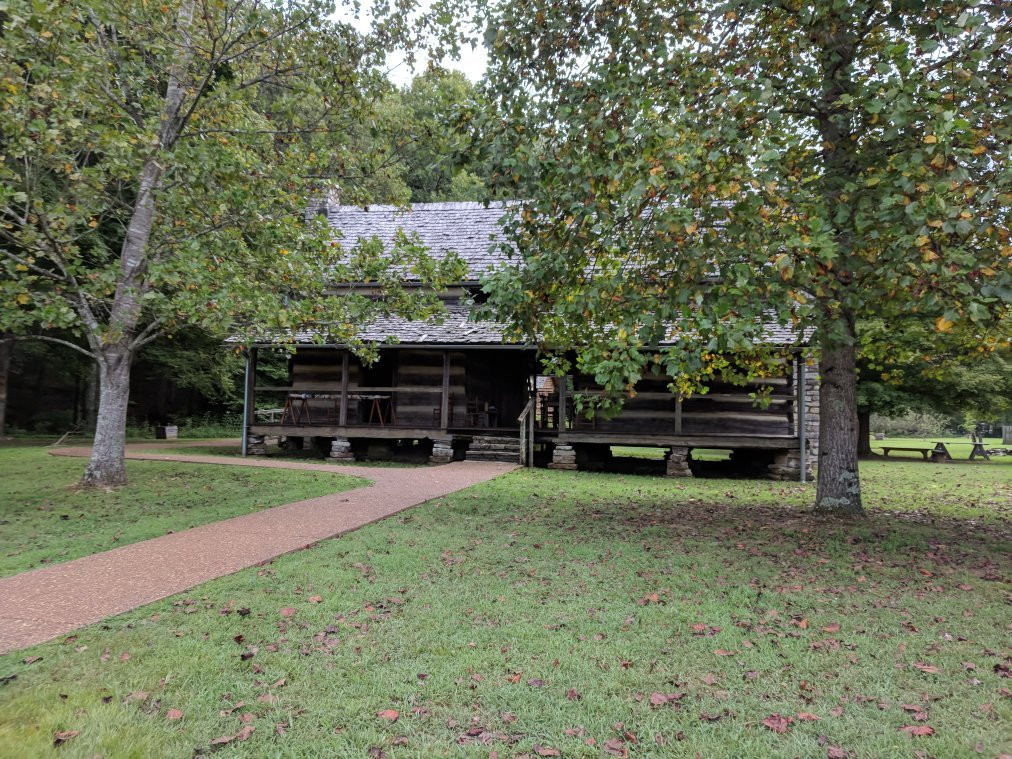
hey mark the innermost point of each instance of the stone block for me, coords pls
(256, 445)
(442, 451)
(678, 463)
(563, 457)
(340, 449)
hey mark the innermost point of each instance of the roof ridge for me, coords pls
(458, 205)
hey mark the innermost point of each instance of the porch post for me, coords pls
(342, 417)
(249, 397)
(245, 405)
(802, 382)
(678, 415)
(444, 408)
(563, 386)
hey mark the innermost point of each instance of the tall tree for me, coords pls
(440, 161)
(703, 167)
(909, 366)
(158, 160)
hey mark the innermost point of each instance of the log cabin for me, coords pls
(458, 389)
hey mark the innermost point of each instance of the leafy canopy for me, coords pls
(705, 167)
(269, 94)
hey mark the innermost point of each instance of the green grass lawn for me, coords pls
(282, 454)
(592, 614)
(44, 519)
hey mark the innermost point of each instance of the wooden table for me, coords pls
(977, 450)
(297, 407)
(376, 409)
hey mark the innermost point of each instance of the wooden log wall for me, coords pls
(495, 377)
(424, 368)
(319, 370)
(725, 409)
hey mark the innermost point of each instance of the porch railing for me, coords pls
(526, 422)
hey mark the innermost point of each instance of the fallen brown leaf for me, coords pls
(546, 751)
(173, 714)
(244, 732)
(778, 723)
(615, 747)
(917, 730)
(390, 715)
(62, 736)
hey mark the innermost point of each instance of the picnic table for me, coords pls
(977, 450)
(940, 451)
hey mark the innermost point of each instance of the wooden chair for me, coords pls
(437, 414)
(475, 414)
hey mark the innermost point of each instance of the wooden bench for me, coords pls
(925, 452)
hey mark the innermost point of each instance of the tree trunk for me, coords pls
(839, 489)
(6, 349)
(864, 432)
(106, 466)
(90, 412)
(114, 359)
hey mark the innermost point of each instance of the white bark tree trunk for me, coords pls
(106, 465)
(105, 469)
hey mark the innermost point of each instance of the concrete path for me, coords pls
(45, 603)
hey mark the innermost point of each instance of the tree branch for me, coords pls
(59, 341)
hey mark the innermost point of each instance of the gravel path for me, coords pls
(45, 603)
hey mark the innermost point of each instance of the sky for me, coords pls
(472, 62)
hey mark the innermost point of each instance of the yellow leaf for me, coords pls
(21, 267)
(942, 324)
(930, 139)
(690, 229)
(22, 299)
(922, 241)
(979, 150)
(92, 223)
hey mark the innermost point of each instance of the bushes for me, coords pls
(911, 424)
(228, 424)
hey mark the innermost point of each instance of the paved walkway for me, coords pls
(42, 604)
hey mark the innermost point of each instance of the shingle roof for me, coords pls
(470, 229)
(454, 328)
